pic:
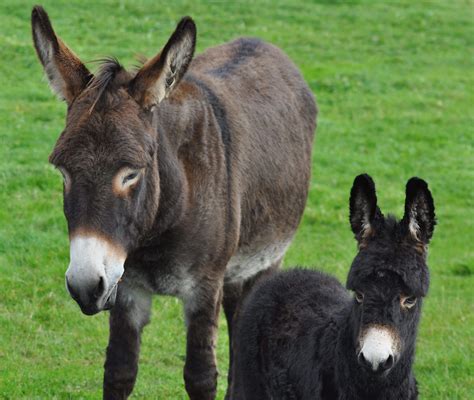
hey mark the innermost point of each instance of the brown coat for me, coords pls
(186, 178)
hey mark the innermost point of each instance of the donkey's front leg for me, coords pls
(202, 313)
(127, 319)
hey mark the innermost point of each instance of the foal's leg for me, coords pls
(230, 302)
(237, 390)
(234, 295)
(202, 313)
(127, 319)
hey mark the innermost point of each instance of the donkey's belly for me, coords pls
(250, 260)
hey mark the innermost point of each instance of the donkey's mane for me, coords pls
(102, 82)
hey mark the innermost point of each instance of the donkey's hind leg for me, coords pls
(127, 319)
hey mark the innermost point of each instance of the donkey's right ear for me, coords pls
(67, 75)
(363, 209)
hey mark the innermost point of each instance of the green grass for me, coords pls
(394, 84)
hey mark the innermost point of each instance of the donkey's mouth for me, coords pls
(95, 308)
(110, 302)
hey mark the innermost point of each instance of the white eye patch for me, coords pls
(66, 178)
(125, 179)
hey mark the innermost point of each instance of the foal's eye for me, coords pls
(359, 296)
(408, 302)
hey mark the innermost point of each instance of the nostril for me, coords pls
(388, 363)
(361, 359)
(100, 288)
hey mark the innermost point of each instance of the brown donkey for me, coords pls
(186, 178)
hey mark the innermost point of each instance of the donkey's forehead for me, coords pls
(114, 136)
(384, 282)
(407, 268)
(112, 103)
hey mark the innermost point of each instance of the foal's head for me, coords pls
(107, 154)
(389, 275)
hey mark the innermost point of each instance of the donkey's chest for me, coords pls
(174, 277)
(250, 260)
(180, 276)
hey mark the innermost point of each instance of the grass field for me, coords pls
(394, 84)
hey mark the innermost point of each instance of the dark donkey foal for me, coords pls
(186, 178)
(302, 336)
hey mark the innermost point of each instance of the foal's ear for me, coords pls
(157, 78)
(363, 208)
(419, 218)
(67, 75)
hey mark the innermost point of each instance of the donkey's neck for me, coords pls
(172, 186)
(184, 127)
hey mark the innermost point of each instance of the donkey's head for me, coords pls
(389, 275)
(107, 154)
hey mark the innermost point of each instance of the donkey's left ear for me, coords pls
(419, 215)
(157, 78)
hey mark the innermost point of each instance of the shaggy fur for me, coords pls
(218, 148)
(299, 333)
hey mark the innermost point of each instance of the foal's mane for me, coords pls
(391, 252)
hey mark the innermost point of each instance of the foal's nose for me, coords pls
(377, 366)
(379, 348)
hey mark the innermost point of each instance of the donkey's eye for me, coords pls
(359, 296)
(66, 177)
(63, 173)
(408, 302)
(125, 179)
(130, 177)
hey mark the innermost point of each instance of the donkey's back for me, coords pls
(270, 116)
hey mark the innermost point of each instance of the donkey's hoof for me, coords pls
(201, 386)
(117, 391)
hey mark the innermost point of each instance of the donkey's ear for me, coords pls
(419, 217)
(67, 75)
(363, 208)
(157, 78)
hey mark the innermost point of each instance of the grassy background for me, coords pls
(394, 84)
